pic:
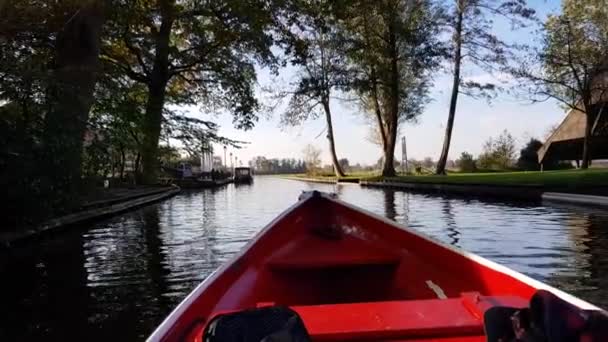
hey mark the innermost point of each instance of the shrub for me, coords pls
(528, 159)
(466, 162)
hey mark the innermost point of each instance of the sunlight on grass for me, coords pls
(531, 178)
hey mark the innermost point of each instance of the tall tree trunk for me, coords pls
(377, 109)
(586, 161)
(156, 95)
(330, 136)
(152, 127)
(136, 168)
(123, 160)
(71, 97)
(455, 89)
(374, 88)
(388, 169)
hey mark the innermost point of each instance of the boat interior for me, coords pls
(352, 276)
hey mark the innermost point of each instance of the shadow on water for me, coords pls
(155, 257)
(43, 293)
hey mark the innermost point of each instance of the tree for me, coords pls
(190, 52)
(273, 166)
(428, 162)
(344, 163)
(471, 23)
(569, 65)
(48, 67)
(312, 158)
(392, 48)
(498, 153)
(75, 71)
(466, 162)
(321, 71)
(528, 159)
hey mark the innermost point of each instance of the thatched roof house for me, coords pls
(566, 142)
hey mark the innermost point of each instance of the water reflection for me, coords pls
(586, 276)
(390, 210)
(450, 221)
(42, 293)
(117, 279)
(155, 257)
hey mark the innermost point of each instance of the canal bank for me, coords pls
(531, 193)
(90, 211)
(581, 187)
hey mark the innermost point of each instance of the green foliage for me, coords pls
(317, 53)
(479, 43)
(192, 52)
(47, 67)
(498, 153)
(169, 155)
(210, 52)
(570, 56)
(563, 180)
(262, 165)
(473, 42)
(466, 162)
(312, 158)
(344, 163)
(392, 49)
(528, 159)
(569, 63)
(97, 157)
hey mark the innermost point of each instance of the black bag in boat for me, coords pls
(269, 324)
(548, 319)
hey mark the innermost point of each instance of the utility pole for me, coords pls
(225, 166)
(404, 155)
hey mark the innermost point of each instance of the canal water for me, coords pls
(117, 279)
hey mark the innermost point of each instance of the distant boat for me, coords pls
(327, 271)
(242, 175)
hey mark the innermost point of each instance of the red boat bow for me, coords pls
(352, 275)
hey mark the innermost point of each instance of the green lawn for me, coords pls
(349, 176)
(561, 178)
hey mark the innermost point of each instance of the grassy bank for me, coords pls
(547, 179)
(329, 177)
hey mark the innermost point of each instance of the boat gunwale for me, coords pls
(169, 322)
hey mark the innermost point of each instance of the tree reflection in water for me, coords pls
(390, 210)
(450, 222)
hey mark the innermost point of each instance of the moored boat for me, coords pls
(242, 175)
(347, 274)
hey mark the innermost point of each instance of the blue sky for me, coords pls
(475, 122)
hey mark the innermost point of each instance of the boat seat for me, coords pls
(312, 252)
(401, 319)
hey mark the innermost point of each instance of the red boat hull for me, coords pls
(353, 275)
